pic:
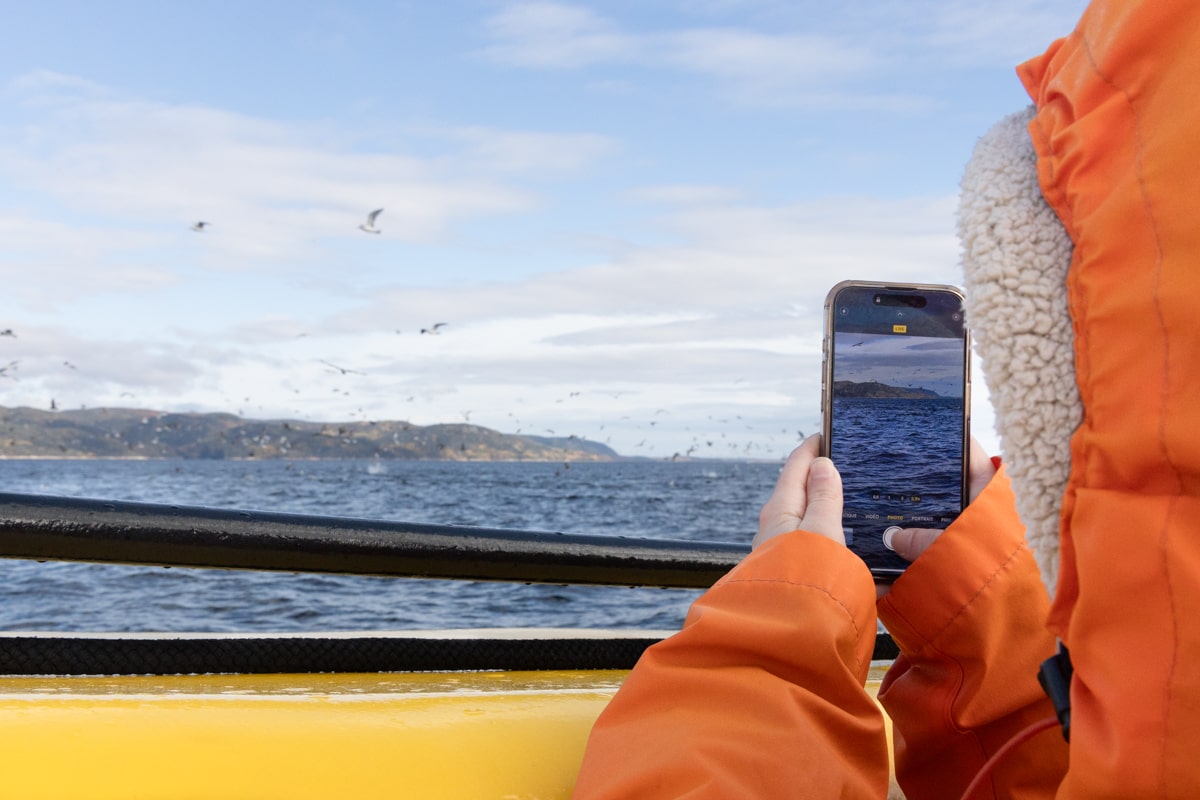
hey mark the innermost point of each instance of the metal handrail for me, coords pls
(46, 527)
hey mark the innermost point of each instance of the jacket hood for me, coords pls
(1015, 258)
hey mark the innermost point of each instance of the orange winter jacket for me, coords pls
(1117, 136)
(761, 693)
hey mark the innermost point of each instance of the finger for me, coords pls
(823, 514)
(790, 489)
(908, 543)
(784, 508)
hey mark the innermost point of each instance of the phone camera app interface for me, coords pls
(897, 418)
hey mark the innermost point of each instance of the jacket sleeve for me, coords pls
(759, 695)
(969, 617)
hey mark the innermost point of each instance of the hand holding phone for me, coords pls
(896, 410)
(808, 496)
(910, 543)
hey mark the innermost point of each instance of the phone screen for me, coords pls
(896, 411)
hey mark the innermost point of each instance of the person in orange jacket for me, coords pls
(1080, 223)
(761, 693)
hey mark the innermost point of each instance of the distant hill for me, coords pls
(874, 389)
(138, 433)
(575, 443)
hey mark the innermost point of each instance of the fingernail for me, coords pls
(822, 465)
(888, 535)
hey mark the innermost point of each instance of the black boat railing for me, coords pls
(74, 529)
(46, 527)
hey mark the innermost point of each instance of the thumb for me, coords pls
(823, 513)
(908, 543)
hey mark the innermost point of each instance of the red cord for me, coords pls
(986, 771)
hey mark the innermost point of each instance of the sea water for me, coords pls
(901, 473)
(695, 501)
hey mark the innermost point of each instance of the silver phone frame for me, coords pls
(889, 574)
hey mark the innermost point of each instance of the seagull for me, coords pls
(369, 225)
(199, 227)
(343, 370)
(434, 330)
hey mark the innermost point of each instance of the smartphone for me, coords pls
(896, 410)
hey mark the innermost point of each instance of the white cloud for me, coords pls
(261, 183)
(777, 68)
(557, 35)
(686, 195)
(762, 58)
(42, 86)
(739, 274)
(789, 55)
(529, 152)
(49, 263)
(271, 192)
(980, 31)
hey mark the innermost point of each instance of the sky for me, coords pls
(627, 214)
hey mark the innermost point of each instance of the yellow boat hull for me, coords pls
(436, 736)
(476, 735)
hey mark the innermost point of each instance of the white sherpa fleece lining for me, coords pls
(1015, 259)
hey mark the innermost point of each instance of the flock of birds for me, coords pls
(722, 437)
(699, 443)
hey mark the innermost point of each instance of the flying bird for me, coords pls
(434, 330)
(369, 225)
(343, 370)
(199, 226)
